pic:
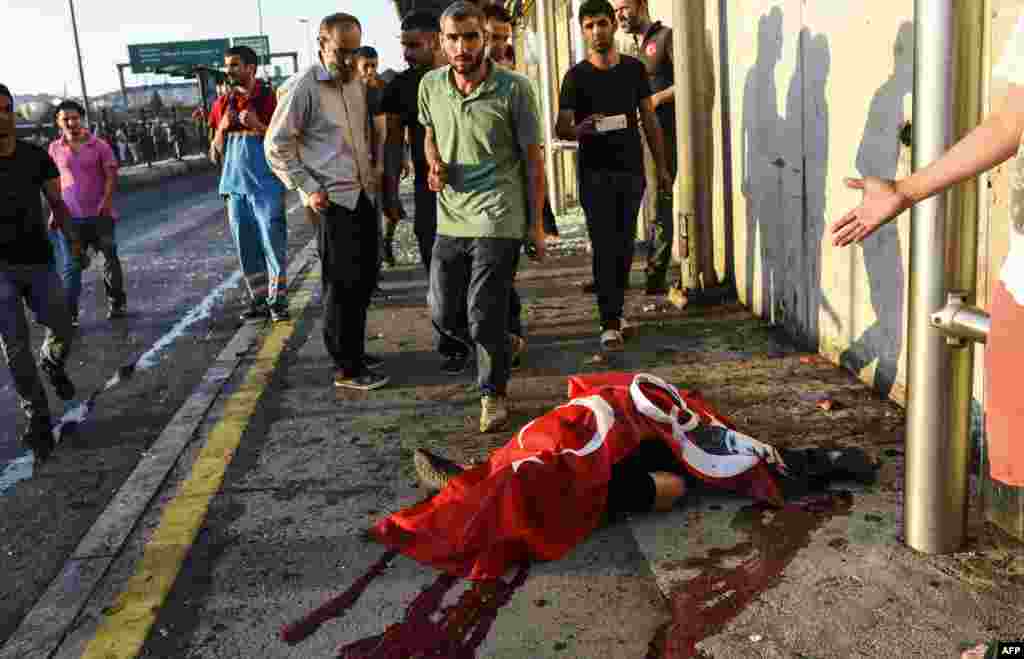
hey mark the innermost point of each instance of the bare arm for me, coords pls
(537, 188)
(991, 143)
(655, 137)
(994, 141)
(430, 149)
(667, 95)
(59, 214)
(565, 125)
(394, 147)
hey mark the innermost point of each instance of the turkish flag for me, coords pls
(546, 490)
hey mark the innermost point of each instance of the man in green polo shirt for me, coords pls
(483, 151)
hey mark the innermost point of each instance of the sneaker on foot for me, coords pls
(258, 310)
(365, 381)
(432, 470)
(493, 413)
(58, 377)
(75, 321)
(279, 312)
(372, 362)
(455, 364)
(611, 340)
(117, 311)
(518, 347)
(38, 436)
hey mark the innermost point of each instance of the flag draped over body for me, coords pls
(546, 489)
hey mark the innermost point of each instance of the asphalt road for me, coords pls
(184, 297)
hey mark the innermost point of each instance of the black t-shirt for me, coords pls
(22, 230)
(587, 90)
(401, 97)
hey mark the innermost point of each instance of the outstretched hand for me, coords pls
(881, 202)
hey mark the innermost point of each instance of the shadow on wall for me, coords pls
(816, 63)
(785, 169)
(761, 150)
(878, 155)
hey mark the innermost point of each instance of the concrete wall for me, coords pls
(817, 91)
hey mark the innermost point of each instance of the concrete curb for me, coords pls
(164, 170)
(46, 625)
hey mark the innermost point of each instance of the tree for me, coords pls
(156, 104)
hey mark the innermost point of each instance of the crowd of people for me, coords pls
(467, 128)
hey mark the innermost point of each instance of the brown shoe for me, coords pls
(434, 471)
(493, 413)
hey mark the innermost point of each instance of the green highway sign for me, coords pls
(152, 57)
(259, 44)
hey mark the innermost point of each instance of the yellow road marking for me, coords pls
(126, 625)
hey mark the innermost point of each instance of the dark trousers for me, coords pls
(611, 201)
(473, 276)
(95, 234)
(425, 222)
(348, 241)
(663, 232)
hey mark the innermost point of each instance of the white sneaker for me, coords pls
(611, 340)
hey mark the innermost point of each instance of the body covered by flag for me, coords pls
(547, 488)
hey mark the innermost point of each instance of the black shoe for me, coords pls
(117, 311)
(258, 310)
(455, 364)
(62, 384)
(279, 312)
(433, 471)
(75, 321)
(366, 381)
(372, 362)
(39, 437)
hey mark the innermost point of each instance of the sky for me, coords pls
(37, 49)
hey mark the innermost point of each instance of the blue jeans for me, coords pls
(38, 287)
(260, 231)
(62, 261)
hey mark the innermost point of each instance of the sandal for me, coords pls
(611, 340)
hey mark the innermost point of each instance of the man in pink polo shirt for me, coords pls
(88, 177)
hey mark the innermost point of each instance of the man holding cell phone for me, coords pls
(602, 103)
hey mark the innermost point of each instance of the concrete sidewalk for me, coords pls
(719, 577)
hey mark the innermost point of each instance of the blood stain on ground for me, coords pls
(703, 605)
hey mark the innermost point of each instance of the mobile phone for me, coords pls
(608, 124)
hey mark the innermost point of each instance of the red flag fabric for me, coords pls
(546, 490)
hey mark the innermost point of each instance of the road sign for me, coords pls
(152, 57)
(259, 44)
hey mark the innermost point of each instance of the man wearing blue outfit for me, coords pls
(255, 197)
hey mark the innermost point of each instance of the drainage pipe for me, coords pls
(935, 488)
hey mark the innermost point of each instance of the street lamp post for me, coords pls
(78, 52)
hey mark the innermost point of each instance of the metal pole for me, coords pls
(935, 492)
(78, 52)
(124, 91)
(546, 53)
(686, 184)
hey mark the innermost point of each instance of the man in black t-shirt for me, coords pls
(654, 44)
(599, 104)
(27, 273)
